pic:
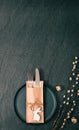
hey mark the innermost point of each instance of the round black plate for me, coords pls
(49, 103)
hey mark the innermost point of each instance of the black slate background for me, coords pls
(36, 33)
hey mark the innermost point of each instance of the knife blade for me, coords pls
(37, 78)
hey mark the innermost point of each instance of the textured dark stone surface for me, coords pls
(35, 33)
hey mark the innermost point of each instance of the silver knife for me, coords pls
(37, 78)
